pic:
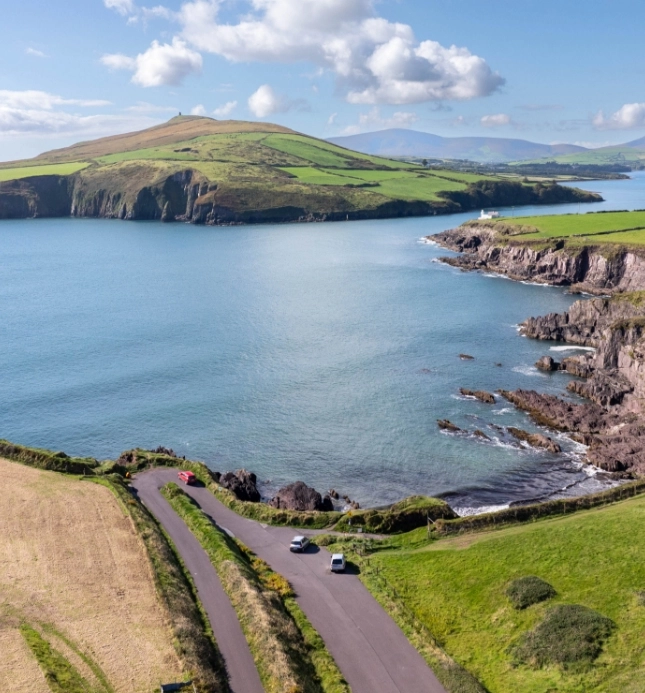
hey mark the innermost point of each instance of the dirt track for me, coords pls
(370, 649)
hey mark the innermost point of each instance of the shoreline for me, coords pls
(598, 338)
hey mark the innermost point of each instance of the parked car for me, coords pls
(338, 563)
(187, 477)
(299, 544)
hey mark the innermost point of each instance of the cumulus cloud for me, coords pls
(225, 110)
(265, 102)
(631, 115)
(163, 64)
(123, 7)
(375, 61)
(35, 53)
(496, 120)
(42, 100)
(199, 110)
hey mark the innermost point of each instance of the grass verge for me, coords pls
(289, 654)
(193, 638)
(60, 674)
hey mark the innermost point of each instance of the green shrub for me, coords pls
(570, 635)
(529, 590)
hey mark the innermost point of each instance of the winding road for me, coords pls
(371, 651)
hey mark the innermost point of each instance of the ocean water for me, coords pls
(321, 352)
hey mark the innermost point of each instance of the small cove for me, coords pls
(322, 352)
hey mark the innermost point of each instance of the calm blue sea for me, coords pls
(322, 352)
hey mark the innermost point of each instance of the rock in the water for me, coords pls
(299, 496)
(333, 493)
(535, 440)
(446, 425)
(466, 357)
(546, 363)
(481, 395)
(243, 484)
(480, 434)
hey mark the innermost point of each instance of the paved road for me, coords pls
(371, 651)
(243, 675)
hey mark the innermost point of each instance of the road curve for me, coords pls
(242, 673)
(370, 649)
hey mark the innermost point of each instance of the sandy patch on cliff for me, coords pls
(70, 558)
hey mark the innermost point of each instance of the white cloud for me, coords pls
(40, 114)
(198, 110)
(35, 53)
(225, 110)
(145, 107)
(332, 119)
(631, 115)
(123, 7)
(495, 121)
(41, 100)
(373, 119)
(265, 102)
(163, 64)
(375, 61)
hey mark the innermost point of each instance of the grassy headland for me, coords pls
(206, 171)
(458, 589)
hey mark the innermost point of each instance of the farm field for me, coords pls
(44, 170)
(75, 583)
(609, 227)
(457, 588)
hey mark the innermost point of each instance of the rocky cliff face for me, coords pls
(591, 269)
(613, 424)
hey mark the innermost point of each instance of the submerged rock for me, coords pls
(299, 496)
(446, 425)
(481, 395)
(466, 357)
(535, 440)
(243, 484)
(480, 434)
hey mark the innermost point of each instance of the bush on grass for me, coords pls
(529, 590)
(570, 636)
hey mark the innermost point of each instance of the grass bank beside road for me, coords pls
(457, 589)
(290, 656)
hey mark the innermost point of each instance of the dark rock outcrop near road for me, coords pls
(299, 496)
(243, 484)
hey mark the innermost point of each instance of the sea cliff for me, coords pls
(610, 419)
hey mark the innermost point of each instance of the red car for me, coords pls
(187, 477)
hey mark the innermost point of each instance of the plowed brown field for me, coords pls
(71, 559)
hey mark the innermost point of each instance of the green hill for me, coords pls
(206, 171)
(630, 154)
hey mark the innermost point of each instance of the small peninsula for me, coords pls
(200, 170)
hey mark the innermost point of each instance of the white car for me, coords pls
(299, 544)
(338, 563)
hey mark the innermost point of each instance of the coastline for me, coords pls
(599, 338)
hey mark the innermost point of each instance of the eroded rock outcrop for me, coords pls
(243, 484)
(481, 395)
(535, 440)
(299, 496)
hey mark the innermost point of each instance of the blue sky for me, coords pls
(548, 71)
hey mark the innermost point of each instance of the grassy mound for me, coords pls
(570, 635)
(529, 590)
(404, 516)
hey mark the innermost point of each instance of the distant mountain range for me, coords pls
(411, 143)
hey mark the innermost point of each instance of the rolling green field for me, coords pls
(457, 589)
(17, 173)
(603, 155)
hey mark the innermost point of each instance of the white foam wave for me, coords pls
(427, 241)
(531, 371)
(505, 410)
(572, 348)
(468, 511)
